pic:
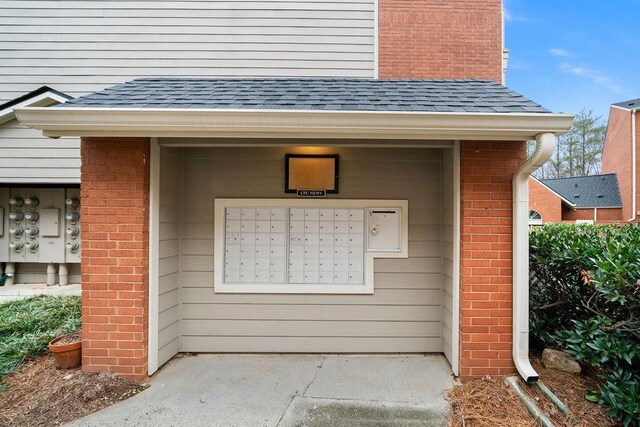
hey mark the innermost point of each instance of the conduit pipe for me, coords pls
(10, 271)
(545, 143)
(634, 173)
(64, 274)
(51, 274)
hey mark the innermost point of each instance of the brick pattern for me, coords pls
(115, 264)
(440, 39)
(544, 201)
(604, 215)
(487, 170)
(616, 155)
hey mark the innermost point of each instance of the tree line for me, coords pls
(579, 151)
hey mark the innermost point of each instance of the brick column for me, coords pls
(115, 255)
(486, 280)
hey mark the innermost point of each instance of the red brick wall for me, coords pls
(544, 201)
(115, 242)
(605, 215)
(440, 39)
(486, 263)
(616, 156)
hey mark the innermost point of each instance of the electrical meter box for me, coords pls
(385, 229)
(50, 222)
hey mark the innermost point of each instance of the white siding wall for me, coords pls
(82, 46)
(447, 251)
(403, 315)
(169, 267)
(79, 47)
(26, 156)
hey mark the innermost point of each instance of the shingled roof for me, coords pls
(591, 191)
(478, 96)
(631, 104)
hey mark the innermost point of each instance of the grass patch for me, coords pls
(27, 326)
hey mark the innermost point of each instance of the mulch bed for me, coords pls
(489, 403)
(40, 394)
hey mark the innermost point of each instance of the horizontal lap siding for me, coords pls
(27, 157)
(169, 252)
(91, 45)
(404, 313)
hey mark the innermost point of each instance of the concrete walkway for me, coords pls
(288, 390)
(13, 292)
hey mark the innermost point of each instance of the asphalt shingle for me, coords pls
(591, 191)
(481, 96)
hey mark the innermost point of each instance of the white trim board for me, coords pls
(154, 255)
(315, 288)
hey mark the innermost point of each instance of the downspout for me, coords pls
(634, 176)
(545, 143)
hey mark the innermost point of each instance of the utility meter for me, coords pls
(16, 245)
(73, 246)
(16, 201)
(72, 202)
(32, 201)
(32, 245)
(72, 216)
(31, 230)
(32, 216)
(73, 231)
(16, 230)
(16, 216)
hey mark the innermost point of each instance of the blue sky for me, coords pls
(567, 55)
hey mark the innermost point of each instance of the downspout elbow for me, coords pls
(545, 144)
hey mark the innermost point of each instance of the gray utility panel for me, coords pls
(40, 225)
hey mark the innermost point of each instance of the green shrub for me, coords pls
(585, 298)
(27, 326)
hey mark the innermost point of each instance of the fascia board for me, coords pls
(57, 122)
(40, 100)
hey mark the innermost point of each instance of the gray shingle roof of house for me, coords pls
(631, 104)
(482, 96)
(592, 191)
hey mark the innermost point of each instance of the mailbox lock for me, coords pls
(16, 201)
(16, 216)
(32, 201)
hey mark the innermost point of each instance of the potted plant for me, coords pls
(67, 350)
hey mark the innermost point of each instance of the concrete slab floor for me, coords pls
(289, 390)
(14, 292)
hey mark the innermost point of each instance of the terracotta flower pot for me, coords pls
(67, 355)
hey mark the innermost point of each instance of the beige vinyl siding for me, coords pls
(83, 46)
(169, 253)
(27, 157)
(403, 315)
(447, 251)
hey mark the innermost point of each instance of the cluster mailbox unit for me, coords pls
(39, 226)
(305, 246)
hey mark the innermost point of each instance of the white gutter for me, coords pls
(55, 122)
(634, 176)
(545, 143)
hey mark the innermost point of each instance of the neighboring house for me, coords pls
(190, 241)
(621, 154)
(590, 199)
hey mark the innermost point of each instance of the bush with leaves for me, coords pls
(585, 299)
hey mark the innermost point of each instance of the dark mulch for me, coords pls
(39, 394)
